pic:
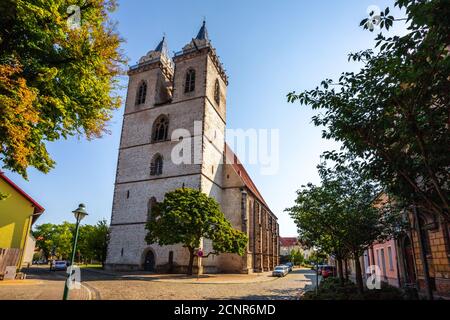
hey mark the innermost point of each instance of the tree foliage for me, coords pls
(56, 240)
(394, 114)
(186, 216)
(338, 217)
(56, 80)
(296, 257)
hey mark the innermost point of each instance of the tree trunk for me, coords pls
(358, 274)
(340, 270)
(346, 269)
(191, 262)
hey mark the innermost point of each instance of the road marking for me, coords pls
(88, 290)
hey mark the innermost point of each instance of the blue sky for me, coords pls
(268, 48)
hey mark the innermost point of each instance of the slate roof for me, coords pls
(240, 170)
(203, 32)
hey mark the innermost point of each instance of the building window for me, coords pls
(128, 194)
(383, 262)
(217, 92)
(391, 263)
(160, 129)
(189, 85)
(156, 166)
(378, 258)
(141, 93)
(151, 207)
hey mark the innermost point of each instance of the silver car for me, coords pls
(59, 265)
(280, 271)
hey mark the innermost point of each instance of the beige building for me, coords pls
(173, 102)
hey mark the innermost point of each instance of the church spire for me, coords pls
(161, 52)
(162, 45)
(202, 33)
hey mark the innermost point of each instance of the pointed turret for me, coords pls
(198, 46)
(162, 47)
(161, 52)
(200, 41)
(203, 32)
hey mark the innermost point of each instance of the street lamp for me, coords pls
(79, 214)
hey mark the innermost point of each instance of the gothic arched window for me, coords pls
(156, 166)
(189, 85)
(151, 207)
(160, 129)
(217, 92)
(141, 93)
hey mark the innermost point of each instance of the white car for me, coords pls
(280, 271)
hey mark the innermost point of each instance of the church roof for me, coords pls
(240, 170)
(203, 32)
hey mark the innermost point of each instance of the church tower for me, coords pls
(170, 102)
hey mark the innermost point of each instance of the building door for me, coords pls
(149, 262)
(409, 261)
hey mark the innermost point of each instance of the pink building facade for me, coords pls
(384, 256)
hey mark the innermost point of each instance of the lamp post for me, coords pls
(79, 214)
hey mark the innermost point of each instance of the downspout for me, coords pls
(397, 251)
(244, 222)
(254, 236)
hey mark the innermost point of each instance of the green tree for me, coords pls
(57, 239)
(339, 218)
(316, 215)
(43, 235)
(84, 251)
(317, 257)
(56, 79)
(186, 216)
(296, 257)
(92, 240)
(394, 113)
(98, 241)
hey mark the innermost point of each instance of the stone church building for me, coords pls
(165, 94)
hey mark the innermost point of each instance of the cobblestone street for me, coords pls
(43, 284)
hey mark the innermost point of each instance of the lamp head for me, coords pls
(80, 212)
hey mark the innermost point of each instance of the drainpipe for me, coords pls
(254, 236)
(244, 221)
(244, 210)
(397, 256)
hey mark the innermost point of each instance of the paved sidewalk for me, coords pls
(183, 278)
(42, 284)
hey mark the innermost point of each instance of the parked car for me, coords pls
(319, 269)
(280, 271)
(328, 271)
(290, 265)
(59, 265)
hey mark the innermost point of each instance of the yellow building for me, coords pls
(18, 212)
